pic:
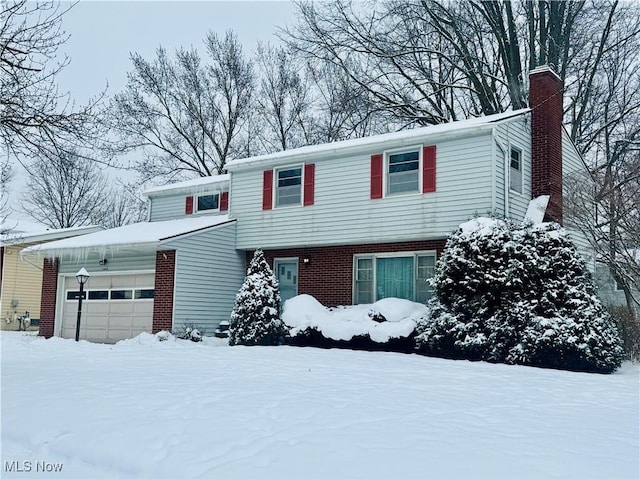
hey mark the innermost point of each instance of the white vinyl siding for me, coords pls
(342, 197)
(172, 206)
(513, 134)
(209, 273)
(124, 261)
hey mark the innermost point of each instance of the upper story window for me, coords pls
(208, 202)
(403, 172)
(400, 172)
(289, 186)
(515, 170)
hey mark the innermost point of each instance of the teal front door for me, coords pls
(287, 275)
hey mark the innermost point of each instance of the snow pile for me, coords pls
(397, 318)
(189, 410)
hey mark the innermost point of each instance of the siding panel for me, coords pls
(343, 212)
(115, 263)
(21, 281)
(209, 273)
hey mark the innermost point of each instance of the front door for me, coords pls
(287, 275)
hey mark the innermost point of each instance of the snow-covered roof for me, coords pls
(144, 235)
(195, 185)
(19, 235)
(387, 140)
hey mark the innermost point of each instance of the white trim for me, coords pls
(385, 172)
(173, 303)
(274, 189)
(197, 211)
(520, 150)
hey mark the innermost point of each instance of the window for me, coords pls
(121, 294)
(515, 175)
(289, 187)
(143, 294)
(364, 280)
(99, 295)
(402, 172)
(75, 295)
(393, 275)
(208, 202)
(619, 284)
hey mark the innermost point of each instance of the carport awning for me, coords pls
(143, 236)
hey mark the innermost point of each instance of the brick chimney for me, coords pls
(545, 99)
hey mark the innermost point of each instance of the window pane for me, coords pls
(208, 202)
(364, 292)
(402, 175)
(144, 294)
(364, 269)
(75, 295)
(99, 294)
(395, 278)
(289, 187)
(121, 294)
(426, 270)
(515, 172)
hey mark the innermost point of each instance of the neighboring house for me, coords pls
(21, 280)
(347, 222)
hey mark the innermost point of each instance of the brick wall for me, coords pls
(163, 295)
(329, 275)
(48, 298)
(545, 97)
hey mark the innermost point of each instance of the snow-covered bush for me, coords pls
(518, 295)
(255, 318)
(190, 332)
(388, 324)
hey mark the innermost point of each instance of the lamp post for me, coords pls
(82, 276)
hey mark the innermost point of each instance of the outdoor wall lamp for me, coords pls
(306, 261)
(82, 276)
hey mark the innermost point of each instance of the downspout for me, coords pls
(506, 172)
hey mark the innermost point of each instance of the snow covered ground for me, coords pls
(149, 409)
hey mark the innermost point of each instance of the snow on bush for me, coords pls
(518, 295)
(255, 319)
(394, 318)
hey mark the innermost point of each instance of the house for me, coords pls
(347, 222)
(21, 281)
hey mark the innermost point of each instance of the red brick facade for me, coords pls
(163, 296)
(545, 98)
(48, 298)
(329, 274)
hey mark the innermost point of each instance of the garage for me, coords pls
(114, 307)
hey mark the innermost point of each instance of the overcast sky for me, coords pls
(104, 33)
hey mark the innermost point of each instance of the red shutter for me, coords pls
(188, 206)
(267, 190)
(376, 176)
(309, 183)
(224, 201)
(429, 169)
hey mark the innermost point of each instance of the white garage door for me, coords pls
(114, 307)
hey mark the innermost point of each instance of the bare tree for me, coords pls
(65, 190)
(284, 99)
(124, 206)
(185, 115)
(6, 174)
(34, 115)
(431, 61)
